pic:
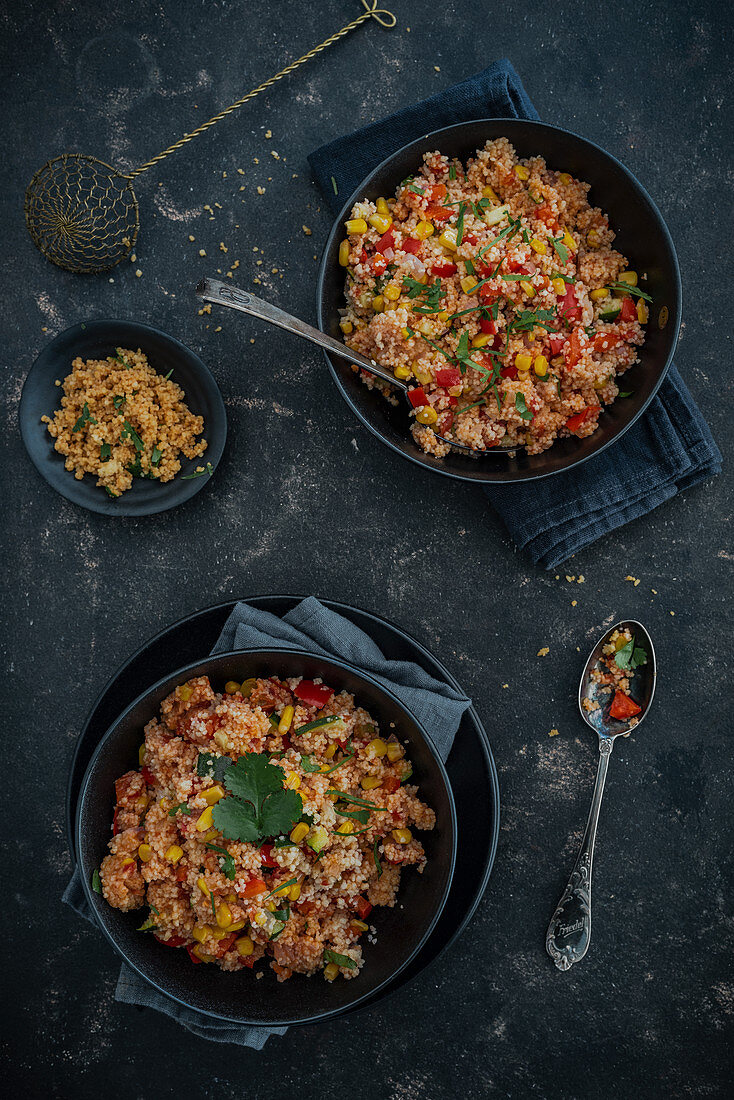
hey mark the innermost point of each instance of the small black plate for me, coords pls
(470, 766)
(96, 340)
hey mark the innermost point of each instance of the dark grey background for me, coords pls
(305, 499)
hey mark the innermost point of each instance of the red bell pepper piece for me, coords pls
(147, 775)
(252, 888)
(469, 238)
(437, 213)
(115, 826)
(191, 954)
(546, 215)
(391, 783)
(444, 270)
(508, 372)
(379, 264)
(417, 397)
(623, 707)
(574, 422)
(224, 945)
(489, 326)
(266, 855)
(313, 695)
(629, 310)
(556, 341)
(448, 376)
(363, 907)
(518, 267)
(173, 941)
(437, 192)
(387, 240)
(488, 293)
(453, 400)
(569, 306)
(412, 245)
(606, 340)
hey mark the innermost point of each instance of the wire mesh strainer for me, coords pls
(83, 214)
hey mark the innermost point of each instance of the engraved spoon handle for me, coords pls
(225, 294)
(569, 932)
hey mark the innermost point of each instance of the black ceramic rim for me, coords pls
(417, 946)
(415, 149)
(167, 495)
(470, 714)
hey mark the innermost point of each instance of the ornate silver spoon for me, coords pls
(225, 294)
(569, 932)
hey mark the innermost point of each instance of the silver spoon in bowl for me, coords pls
(569, 932)
(225, 294)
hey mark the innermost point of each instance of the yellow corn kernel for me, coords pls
(423, 230)
(285, 720)
(231, 897)
(244, 946)
(394, 751)
(141, 803)
(299, 833)
(593, 239)
(468, 284)
(538, 246)
(422, 373)
(600, 383)
(377, 747)
(523, 361)
(344, 828)
(565, 178)
(382, 207)
(141, 754)
(528, 288)
(303, 795)
(424, 326)
(185, 692)
(359, 925)
(173, 854)
(128, 861)
(569, 241)
(145, 852)
(201, 883)
(205, 820)
(330, 752)
(247, 687)
(346, 327)
(270, 906)
(448, 238)
(201, 954)
(224, 915)
(403, 372)
(402, 836)
(280, 890)
(344, 250)
(405, 332)
(392, 292)
(221, 739)
(259, 919)
(213, 794)
(231, 687)
(211, 835)
(560, 287)
(237, 925)
(426, 415)
(540, 366)
(292, 781)
(643, 313)
(356, 226)
(295, 891)
(522, 172)
(370, 782)
(443, 315)
(218, 933)
(380, 222)
(629, 277)
(599, 294)
(201, 932)
(331, 971)
(378, 303)
(488, 193)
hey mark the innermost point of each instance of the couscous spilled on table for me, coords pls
(266, 820)
(494, 291)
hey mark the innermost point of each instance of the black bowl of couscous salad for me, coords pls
(267, 837)
(520, 281)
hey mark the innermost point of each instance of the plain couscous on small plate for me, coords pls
(493, 290)
(264, 821)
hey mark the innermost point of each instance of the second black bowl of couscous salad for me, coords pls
(267, 837)
(520, 281)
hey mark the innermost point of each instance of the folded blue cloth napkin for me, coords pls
(669, 448)
(315, 628)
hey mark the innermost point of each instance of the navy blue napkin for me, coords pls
(669, 448)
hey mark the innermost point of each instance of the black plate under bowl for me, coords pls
(96, 340)
(238, 997)
(470, 766)
(642, 237)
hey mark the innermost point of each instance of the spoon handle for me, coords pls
(569, 932)
(225, 294)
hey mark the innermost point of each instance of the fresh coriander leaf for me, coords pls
(413, 287)
(96, 882)
(253, 778)
(182, 808)
(415, 189)
(137, 441)
(340, 960)
(207, 764)
(282, 914)
(522, 408)
(376, 854)
(105, 451)
(560, 249)
(227, 861)
(85, 418)
(630, 656)
(308, 765)
(639, 657)
(236, 820)
(280, 812)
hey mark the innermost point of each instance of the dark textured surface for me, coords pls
(306, 499)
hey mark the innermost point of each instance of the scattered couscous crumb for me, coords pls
(544, 651)
(268, 133)
(437, 68)
(570, 579)
(635, 580)
(306, 230)
(580, 579)
(553, 732)
(223, 247)
(261, 190)
(192, 237)
(133, 257)
(138, 273)
(574, 602)
(505, 685)
(218, 328)
(654, 591)
(202, 252)
(252, 339)
(672, 612)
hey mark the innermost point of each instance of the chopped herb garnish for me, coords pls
(406, 777)
(460, 223)
(121, 359)
(308, 765)
(358, 801)
(566, 278)
(630, 656)
(183, 807)
(129, 431)
(105, 451)
(118, 401)
(214, 911)
(111, 492)
(333, 184)
(415, 189)
(260, 807)
(376, 854)
(226, 861)
(156, 456)
(85, 418)
(469, 267)
(207, 764)
(148, 925)
(629, 289)
(283, 886)
(560, 249)
(317, 723)
(96, 882)
(167, 376)
(528, 319)
(522, 408)
(362, 816)
(452, 171)
(208, 469)
(625, 393)
(340, 960)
